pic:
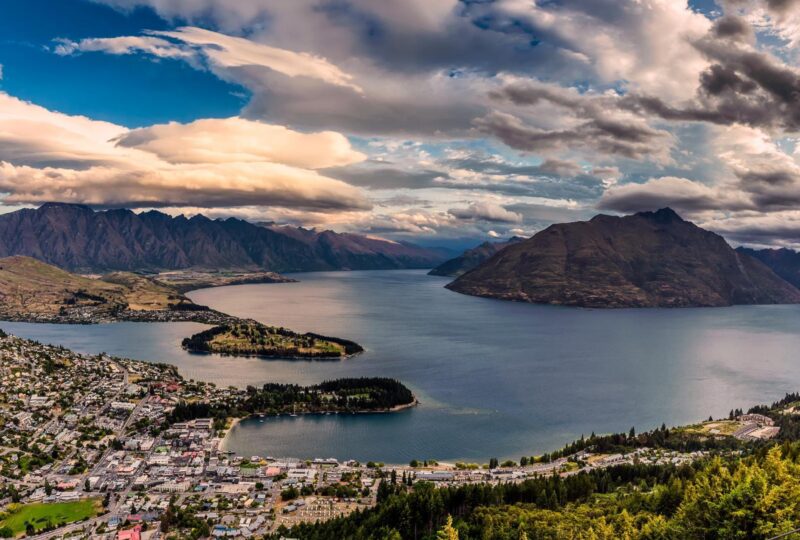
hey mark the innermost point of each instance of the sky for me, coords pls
(441, 122)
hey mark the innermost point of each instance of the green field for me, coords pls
(40, 515)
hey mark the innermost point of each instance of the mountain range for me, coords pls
(647, 259)
(77, 238)
(471, 258)
(784, 262)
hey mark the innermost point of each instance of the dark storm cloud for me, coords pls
(552, 179)
(733, 27)
(550, 167)
(759, 230)
(388, 177)
(484, 211)
(742, 86)
(626, 138)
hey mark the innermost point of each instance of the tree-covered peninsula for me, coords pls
(251, 338)
(354, 395)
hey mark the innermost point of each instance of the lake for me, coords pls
(495, 379)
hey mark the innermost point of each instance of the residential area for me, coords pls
(89, 448)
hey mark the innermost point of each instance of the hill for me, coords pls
(471, 258)
(349, 251)
(650, 259)
(77, 238)
(33, 290)
(784, 262)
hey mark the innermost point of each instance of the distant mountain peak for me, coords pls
(60, 206)
(471, 258)
(650, 259)
(78, 238)
(662, 215)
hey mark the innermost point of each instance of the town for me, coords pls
(92, 447)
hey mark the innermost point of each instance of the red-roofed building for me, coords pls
(130, 534)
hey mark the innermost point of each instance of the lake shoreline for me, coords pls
(496, 378)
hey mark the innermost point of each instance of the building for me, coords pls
(130, 534)
(756, 419)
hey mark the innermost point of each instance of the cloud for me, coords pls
(237, 139)
(424, 67)
(380, 176)
(486, 211)
(733, 27)
(212, 185)
(33, 135)
(777, 229)
(680, 194)
(646, 43)
(155, 46)
(218, 51)
(741, 85)
(622, 104)
(231, 52)
(477, 173)
(625, 137)
(49, 156)
(770, 177)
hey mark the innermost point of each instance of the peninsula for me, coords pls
(34, 291)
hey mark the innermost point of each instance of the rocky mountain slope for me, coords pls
(77, 238)
(647, 259)
(784, 262)
(352, 251)
(471, 258)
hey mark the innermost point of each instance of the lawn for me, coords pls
(43, 514)
(716, 427)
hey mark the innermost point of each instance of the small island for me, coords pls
(251, 338)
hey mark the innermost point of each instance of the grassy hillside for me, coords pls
(31, 288)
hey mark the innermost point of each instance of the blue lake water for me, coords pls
(494, 378)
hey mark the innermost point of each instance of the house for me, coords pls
(435, 476)
(756, 419)
(130, 534)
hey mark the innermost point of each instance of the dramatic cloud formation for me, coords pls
(444, 118)
(486, 211)
(239, 140)
(218, 50)
(48, 156)
(679, 193)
